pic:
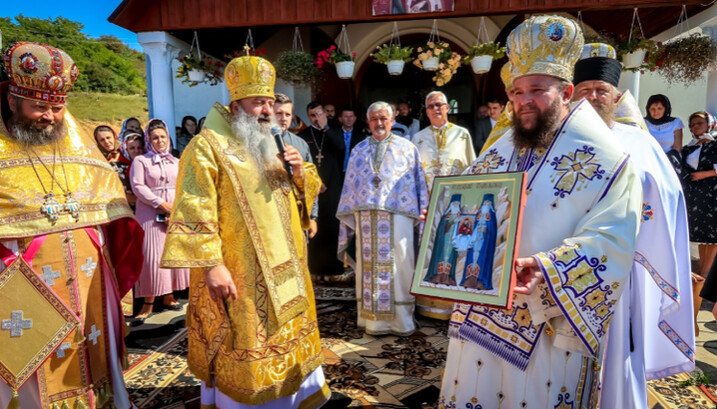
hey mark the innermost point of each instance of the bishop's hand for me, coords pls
(294, 158)
(220, 283)
(528, 275)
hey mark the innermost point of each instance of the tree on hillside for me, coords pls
(106, 64)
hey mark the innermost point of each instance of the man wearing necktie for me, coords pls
(352, 136)
(445, 149)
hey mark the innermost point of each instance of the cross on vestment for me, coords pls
(89, 267)
(49, 276)
(94, 334)
(61, 349)
(16, 324)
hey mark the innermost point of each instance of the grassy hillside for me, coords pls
(93, 108)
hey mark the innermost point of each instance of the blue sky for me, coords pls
(93, 14)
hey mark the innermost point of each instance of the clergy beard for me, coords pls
(256, 137)
(27, 132)
(605, 111)
(542, 133)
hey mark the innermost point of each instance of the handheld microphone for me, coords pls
(276, 132)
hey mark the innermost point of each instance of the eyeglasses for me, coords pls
(438, 105)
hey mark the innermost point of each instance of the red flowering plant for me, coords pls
(246, 51)
(332, 55)
(212, 69)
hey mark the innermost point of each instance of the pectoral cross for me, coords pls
(16, 324)
(49, 276)
(318, 158)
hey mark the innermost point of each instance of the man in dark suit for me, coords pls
(328, 151)
(351, 135)
(483, 126)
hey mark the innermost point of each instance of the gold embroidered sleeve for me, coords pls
(193, 233)
(308, 191)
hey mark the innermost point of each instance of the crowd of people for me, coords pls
(246, 228)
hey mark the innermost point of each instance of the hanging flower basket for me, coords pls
(394, 56)
(638, 53)
(481, 63)
(481, 56)
(437, 56)
(634, 59)
(341, 56)
(345, 69)
(431, 63)
(395, 67)
(196, 75)
(194, 69)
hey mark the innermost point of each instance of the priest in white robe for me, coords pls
(445, 149)
(576, 246)
(652, 333)
(383, 194)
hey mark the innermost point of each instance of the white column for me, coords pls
(631, 80)
(711, 105)
(160, 50)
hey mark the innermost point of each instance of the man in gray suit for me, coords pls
(284, 112)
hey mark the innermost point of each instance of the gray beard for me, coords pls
(606, 112)
(256, 138)
(27, 134)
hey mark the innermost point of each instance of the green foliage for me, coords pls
(490, 48)
(105, 64)
(212, 69)
(296, 66)
(701, 379)
(386, 53)
(107, 108)
(687, 58)
(653, 49)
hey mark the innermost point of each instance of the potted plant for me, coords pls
(687, 58)
(481, 56)
(195, 69)
(438, 57)
(296, 67)
(333, 55)
(638, 53)
(394, 56)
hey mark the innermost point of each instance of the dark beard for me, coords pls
(542, 134)
(26, 132)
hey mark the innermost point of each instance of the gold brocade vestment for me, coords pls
(69, 260)
(262, 345)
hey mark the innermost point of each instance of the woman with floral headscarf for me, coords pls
(699, 179)
(153, 176)
(110, 146)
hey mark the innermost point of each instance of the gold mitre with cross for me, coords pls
(250, 76)
(545, 45)
(40, 72)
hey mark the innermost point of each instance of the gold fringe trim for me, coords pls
(15, 401)
(80, 404)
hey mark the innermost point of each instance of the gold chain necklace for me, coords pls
(51, 208)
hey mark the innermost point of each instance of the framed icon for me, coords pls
(470, 239)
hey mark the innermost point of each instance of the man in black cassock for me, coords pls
(328, 150)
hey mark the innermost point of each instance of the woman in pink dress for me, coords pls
(153, 177)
